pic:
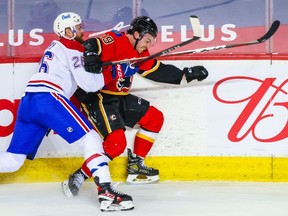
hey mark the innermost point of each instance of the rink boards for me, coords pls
(232, 126)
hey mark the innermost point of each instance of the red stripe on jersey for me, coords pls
(47, 82)
(72, 44)
(92, 157)
(72, 112)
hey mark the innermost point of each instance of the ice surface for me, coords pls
(164, 198)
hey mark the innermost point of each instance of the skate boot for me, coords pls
(138, 173)
(113, 200)
(72, 185)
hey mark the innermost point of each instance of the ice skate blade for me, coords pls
(108, 206)
(141, 179)
(67, 192)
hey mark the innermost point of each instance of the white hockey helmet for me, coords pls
(66, 20)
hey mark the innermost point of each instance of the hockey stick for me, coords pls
(117, 27)
(275, 25)
(197, 35)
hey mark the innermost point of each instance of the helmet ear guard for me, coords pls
(66, 20)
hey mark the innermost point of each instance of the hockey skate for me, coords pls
(138, 173)
(71, 186)
(113, 200)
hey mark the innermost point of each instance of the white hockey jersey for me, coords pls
(61, 70)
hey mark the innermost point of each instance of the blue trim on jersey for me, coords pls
(117, 33)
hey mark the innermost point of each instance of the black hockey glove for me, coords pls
(92, 61)
(197, 72)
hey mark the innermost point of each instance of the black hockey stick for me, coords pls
(275, 25)
(197, 35)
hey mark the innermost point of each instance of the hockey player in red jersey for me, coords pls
(45, 105)
(113, 108)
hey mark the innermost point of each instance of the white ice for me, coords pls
(164, 198)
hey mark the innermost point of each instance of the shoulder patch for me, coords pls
(117, 33)
(107, 39)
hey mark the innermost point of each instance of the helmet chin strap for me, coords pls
(137, 40)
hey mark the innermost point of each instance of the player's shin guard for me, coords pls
(111, 199)
(151, 123)
(95, 158)
(96, 164)
(138, 172)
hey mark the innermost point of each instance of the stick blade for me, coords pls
(275, 25)
(195, 23)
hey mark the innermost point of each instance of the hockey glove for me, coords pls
(197, 72)
(123, 70)
(92, 61)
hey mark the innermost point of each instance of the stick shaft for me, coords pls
(274, 27)
(197, 35)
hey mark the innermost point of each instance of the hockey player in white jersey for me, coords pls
(45, 105)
